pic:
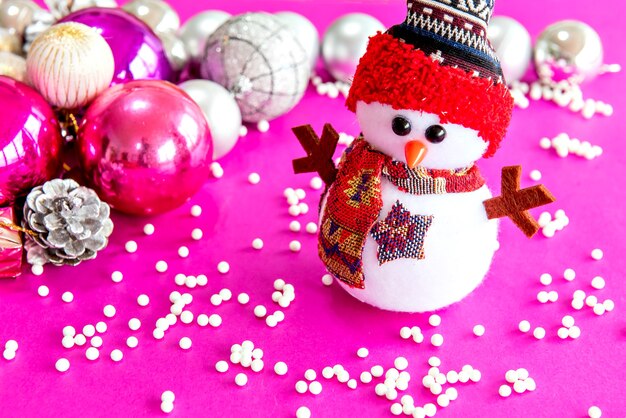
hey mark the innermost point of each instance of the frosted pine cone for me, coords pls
(70, 222)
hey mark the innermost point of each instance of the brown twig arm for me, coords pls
(320, 152)
(515, 203)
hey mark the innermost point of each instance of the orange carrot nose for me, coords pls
(414, 152)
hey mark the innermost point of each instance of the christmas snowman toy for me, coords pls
(407, 222)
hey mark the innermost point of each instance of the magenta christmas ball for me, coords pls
(30, 140)
(137, 51)
(145, 147)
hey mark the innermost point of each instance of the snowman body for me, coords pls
(458, 249)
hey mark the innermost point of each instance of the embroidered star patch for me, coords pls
(401, 235)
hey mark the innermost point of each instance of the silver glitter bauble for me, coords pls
(513, 46)
(42, 20)
(260, 61)
(15, 15)
(174, 50)
(345, 42)
(221, 111)
(568, 50)
(195, 32)
(62, 8)
(157, 14)
(305, 32)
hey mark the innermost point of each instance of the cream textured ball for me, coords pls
(70, 64)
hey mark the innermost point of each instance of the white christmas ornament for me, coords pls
(408, 223)
(70, 64)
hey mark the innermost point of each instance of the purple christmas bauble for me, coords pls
(30, 140)
(145, 147)
(137, 51)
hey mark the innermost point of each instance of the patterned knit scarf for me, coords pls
(354, 202)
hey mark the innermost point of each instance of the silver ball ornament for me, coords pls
(345, 42)
(195, 32)
(16, 15)
(157, 14)
(304, 31)
(13, 66)
(10, 42)
(513, 46)
(259, 60)
(174, 50)
(221, 112)
(568, 50)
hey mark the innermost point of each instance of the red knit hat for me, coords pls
(430, 64)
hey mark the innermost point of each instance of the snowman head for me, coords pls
(430, 91)
(419, 138)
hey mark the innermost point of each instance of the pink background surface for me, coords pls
(324, 325)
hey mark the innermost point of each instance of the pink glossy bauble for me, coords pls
(30, 140)
(145, 147)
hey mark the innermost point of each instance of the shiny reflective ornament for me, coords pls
(30, 141)
(221, 111)
(568, 50)
(70, 64)
(145, 147)
(305, 33)
(155, 13)
(10, 42)
(62, 8)
(345, 42)
(15, 15)
(13, 66)
(137, 51)
(174, 50)
(259, 60)
(197, 30)
(513, 46)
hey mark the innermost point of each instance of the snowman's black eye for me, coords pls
(435, 134)
(401, 126)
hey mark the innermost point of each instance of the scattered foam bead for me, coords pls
(597, 254)
(524, 326)
(434, 320)
(609, 305)
(215, 320)
(562, 333)
(134, 324)
(67, 341)
(161, 266)
(328, 372)
(217, 170)
(243, 131)
(311, 228)
(196, 234)
(260, 311)
(443, 400)
(327, 279)
(545, 279)
(11, 345)
(405, 333)
(241, 379)
(43, 291)
(92, 353)
(132, 342)
(196, 211)
(479, 330)
(553, 296)
(62, 365)
(117, 276)
(280, 368)
(130, 246)
(183, 252)
(186, 317)
(598, 309)
(167, 407)
(8, 355)
(254, 178)
(221, 366)
(574, 332)
(202, 320)
(117, 355)
(148, 229)
(80, 340)
(67, 297)
(598, 283)
(294, 226)
(535, 175)
(303, 412)
(316, 183)
(396, 409)
(223, 267)
(295, 246)
(301, 386)
(511, 376)
(271, 321)
(202, 280)
(243, 298)
(591, 301)
(263, 125)
(569, 274)
(539, 333)
(101, 327)
(436, 340)
(545, 143)
(542, 296)
(315, 388)
(143, 300)
(505, 391)
(158, 333)
(109, 311)
(594, 412)
(37, 269)
(519, 386)
(257, 243)
(401, 363)
(185, 343)
(168, 396)
(430, 409)
(522, 374)
(568, 321)
(362, 352)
